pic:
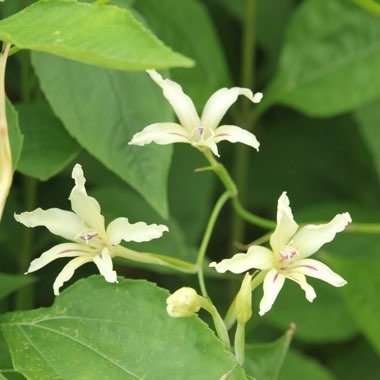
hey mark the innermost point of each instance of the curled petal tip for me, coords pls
(257, 97)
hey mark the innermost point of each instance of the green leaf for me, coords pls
(9, 283)
(300, 366)
(116, 106)
(16, 138)
(327, 319)
(47, 148)
(329, 63)
(264, 361)
(368, 118)
(186, 26)
(123, 332)
(6, 368)
(97, 34)
(361, 292)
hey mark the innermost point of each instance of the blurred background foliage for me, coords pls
(317, 63)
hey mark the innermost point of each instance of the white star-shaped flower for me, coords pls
(201, 132)
(85, 227)
(288, 257)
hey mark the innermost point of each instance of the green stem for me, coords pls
(367, 228)
(370, 6)
(230, 186)
(241, 158)
(25, 296)
(219, 324)
(240, 343)
(206, 238)
(101, 2)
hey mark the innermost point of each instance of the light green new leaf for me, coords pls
(102, 109)
(264, 361)
(330, 61)
(97, 330)
(187, 27)
(47, 148)
(9, 283)
(97, 34)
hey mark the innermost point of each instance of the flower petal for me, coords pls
(120, 229)
(104, 263)
(235, 134)
(314, 268)
(59, 222)
(300, 279)
(68, 271)
(256, 257)
(273, 283)
(286, 226)
(221, 101)
(87, 208)
(60, 250)
(182, 105)
(161, 133)
(309, 239)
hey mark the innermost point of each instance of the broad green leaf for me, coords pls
(97, 330)
(368, 118)
(330, 59)
(16, 138)
(47, 148)
(327, 319)
(9, 283)
(300, 366)
(6, 368)
(361, 292)
(186, 26)
(97, 34)
(264, 361)
(102, 109)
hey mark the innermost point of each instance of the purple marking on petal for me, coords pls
(275, 278)
(89, 236)
(201, 130)
(309, 267)
(222, 134)
(71, 250)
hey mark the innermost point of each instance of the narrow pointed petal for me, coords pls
(120, 229)
(212, 146)
(311, 238)
(59, 222)
(286, 226)
(161, 133)
(316, 269)
(300, 279)
(257, 257)
(182, 105)
(87, 208)
(68, 272)
(235, 134)
(57, 252)
(273, 283)
(221, 101)
(104, 263)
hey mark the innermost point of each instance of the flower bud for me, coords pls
(243, 303)
(183, 303)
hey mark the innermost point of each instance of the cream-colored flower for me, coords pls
(201, 132)
(85, 227)
(288, 257)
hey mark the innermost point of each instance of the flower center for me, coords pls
(287, 253)
(201, 134)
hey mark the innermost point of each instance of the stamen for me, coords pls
(288, 252)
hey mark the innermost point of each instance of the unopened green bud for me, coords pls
(243, 304)
(183, 303)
